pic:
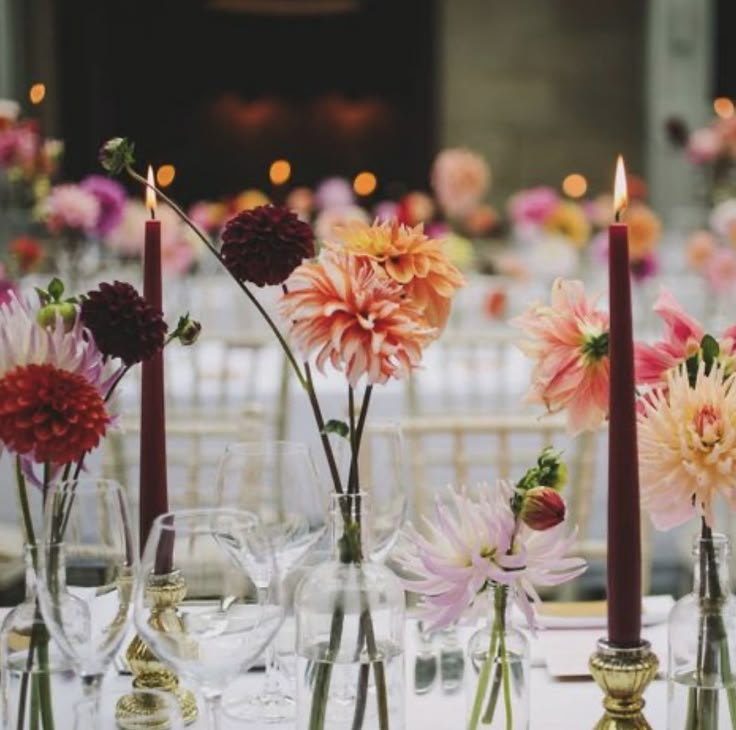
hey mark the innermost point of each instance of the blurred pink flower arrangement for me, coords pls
(70, 210)
(712, 253)
(180, 248)
(460, 179)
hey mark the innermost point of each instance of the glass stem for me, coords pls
(91, 684)
(272, 685)
(213, 704)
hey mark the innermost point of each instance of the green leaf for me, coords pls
(338, 427)
(710, 349)
(56, 289)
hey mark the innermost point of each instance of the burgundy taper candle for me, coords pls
(624, 538)
(154, 499)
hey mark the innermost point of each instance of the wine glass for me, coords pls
(109, 711)
(278, 482)
(224, 621)
(380, 475)
(87, 565)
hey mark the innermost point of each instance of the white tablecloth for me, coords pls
(570, 704)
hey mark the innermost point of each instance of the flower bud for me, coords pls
(552, 471)
(116, 154)
(47, 315)
(189, 331)
(542, 508)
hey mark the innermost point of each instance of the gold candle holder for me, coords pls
(164, 593)
(623, 674)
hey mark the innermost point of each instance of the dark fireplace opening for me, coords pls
(222, 93)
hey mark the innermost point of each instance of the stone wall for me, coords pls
(543, 87)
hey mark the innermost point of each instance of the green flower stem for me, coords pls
(205, 239)
(319, 418)
(501, 674)
(324, 671)
(24, 506)
(483, 679)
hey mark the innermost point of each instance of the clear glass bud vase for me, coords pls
(498, 683)
(35, 674)
(701, 675)
(350, 633)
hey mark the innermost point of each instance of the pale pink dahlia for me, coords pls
(568, 341)
(687, 446)
(355, 318)
(467, 547)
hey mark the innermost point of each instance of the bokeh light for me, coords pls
(365, 183)
(723, 107)
(279, 172)
(165, 175)
(575, 185)
(37, 93)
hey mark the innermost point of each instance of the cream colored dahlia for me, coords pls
(687, 446)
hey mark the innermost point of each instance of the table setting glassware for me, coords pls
(276, 481)
(226, 620)
(87, 566)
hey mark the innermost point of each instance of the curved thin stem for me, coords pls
(208, 243)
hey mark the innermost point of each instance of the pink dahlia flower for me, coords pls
(473, 542)
(568, 341)
(355, 318)
(687, 446)
(683, 336)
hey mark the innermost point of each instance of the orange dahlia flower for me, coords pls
(410, 258)
(355, 318)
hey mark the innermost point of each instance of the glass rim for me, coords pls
(87, 480)
(267, 447)
(720, 542)
(248, 519)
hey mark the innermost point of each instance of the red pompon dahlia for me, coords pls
(123, 324)
(51, 415)
(265, 244)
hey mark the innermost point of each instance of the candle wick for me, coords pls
(153, 214)
(616, 216)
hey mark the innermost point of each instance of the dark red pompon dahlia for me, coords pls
(264, 245)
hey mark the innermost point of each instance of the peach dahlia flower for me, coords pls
(355, 318)
(687, 446)
(568, 341)
(410, 258)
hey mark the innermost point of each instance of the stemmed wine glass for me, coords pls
(278, 482)
(226, 621)
(87, 565)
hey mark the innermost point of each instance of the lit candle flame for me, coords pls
(620, 194)
(150, 194)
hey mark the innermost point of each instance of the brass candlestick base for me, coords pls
(164, 593)
(623, 675)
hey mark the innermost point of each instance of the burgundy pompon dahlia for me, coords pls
(264, 245)
(123, 324)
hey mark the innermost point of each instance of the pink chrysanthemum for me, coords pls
(687, 446)
(354, 318)
(568, 341)
(474, 542)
